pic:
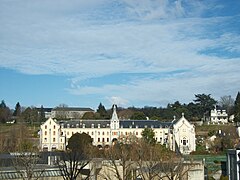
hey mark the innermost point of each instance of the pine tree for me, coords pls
(102, 111)
(237, 108)
(5, 112)
(42, 114)
(17, 110)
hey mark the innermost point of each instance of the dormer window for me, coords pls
(83, 125)
(98, 125)
(136, 126)
(92, 125)
(68, 125)
(77, 125)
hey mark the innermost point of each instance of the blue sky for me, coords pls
(129, 52)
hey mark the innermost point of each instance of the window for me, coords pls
(107, 139)
(92, 133)
(184, 142)
(54, 127)
(54, 139)
(98, 139)
(98, 133)
(136, 133)
(102, 139)
(107, 133)
(103, 133)
(54, 133)
(45, 139)
(45, 132)
(45, 126)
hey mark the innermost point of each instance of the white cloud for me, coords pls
(70, 39)
(119, 101)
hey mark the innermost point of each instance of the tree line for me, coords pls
(31, 115)
(198, 109)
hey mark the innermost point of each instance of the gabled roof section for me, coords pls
(182, 120)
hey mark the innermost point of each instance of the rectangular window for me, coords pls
(98, 139)
(102, 139)
(107, 139)
(45, 132)
(54, 133)
(184, 142)
(45, 126)
(54, 139)
(136, 133)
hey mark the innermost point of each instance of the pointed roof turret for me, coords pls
(114, 114)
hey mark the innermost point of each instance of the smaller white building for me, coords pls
(183, 136)
(218, 116)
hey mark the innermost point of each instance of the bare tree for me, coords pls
(25, 161)
(72, 164)
(147, 158)
(118, 163)
(227, 102)
(75, 158)
(155, 161)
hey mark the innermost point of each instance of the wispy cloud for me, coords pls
(98, 39)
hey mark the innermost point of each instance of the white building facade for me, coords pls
(177, 135)
(218, 116)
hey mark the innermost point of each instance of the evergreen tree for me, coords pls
(148, 135)
(102, 111)
(3, 105)
(205, 103)
(5, 112)
(237, 108)
(17, 111)
(42, 114)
